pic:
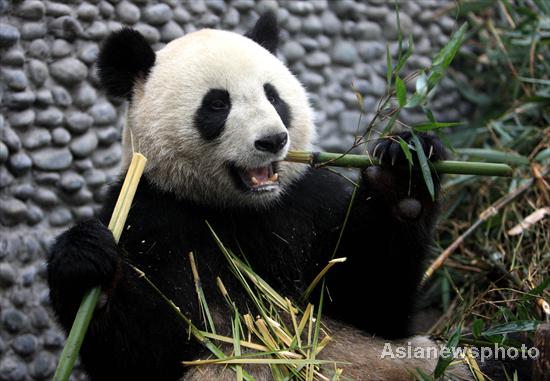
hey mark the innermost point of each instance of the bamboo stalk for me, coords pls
(89, 301)
(362, 161)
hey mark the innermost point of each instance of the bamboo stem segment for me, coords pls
(362, 161)
(89, 301)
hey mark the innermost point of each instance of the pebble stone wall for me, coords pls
(60, 135)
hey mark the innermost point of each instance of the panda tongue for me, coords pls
(261, 175)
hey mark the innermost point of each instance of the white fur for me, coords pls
(161, 117)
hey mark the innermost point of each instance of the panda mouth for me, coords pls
(261, 179)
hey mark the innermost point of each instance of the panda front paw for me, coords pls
(389, 152)
(83, 257)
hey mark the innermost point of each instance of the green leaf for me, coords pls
(415, 100)
(444, 362)
(391, 123)
(424, 127)
(388, 66)
(516, 326)
(424, 166)
(477, 327)
(406, 150)
(443, 59)
(403, 59)
(401, 91)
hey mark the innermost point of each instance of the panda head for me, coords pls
(214, 112)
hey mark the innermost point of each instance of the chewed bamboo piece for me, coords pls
(88, 304)
(362, 161)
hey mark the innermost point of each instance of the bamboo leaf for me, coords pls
(424, 166)
(445, 56)
(444, 361)
(389, 68)
(424, 127)
(477, 327)
(422, 84)
(406, 150)
(401, 91)
(516, 326)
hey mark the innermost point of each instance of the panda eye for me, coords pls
(218, 105)
(272, 98)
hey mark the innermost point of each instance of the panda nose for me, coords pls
(272, 143)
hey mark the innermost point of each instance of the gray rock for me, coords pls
(197, 7)
(68, 71)
(84, 145)
(3, 152)
(38, 72)
(60, 217)
(97, 31)
(22, 191)
(52, 159)
(170, 31)
(85, 96)
(127, 12)
(83, 165)
(317, 59)
(348, 121)
(50, 117)
(103, 113)
(95, 178)
(15, 79)
(61, 96)
(377, 86)
(83, 213)
(243, 5)
(31, 10)
(36, 138)
(43, 366)
(106, 9)
(52, 339)
(150, 33)
(344, 53)
(158, 14)
(40, 318)
(218, 6)
(208, 20)
(9, 35)
(71, 182)
(57, 9)
(108, 136)
(25, 345)
(366, 30)
(44, 98)
(312, 25)
(12, 369)
(46, 197)
(79, 122)
(34, 215)
(181, 15)
(66, 27)
(8, 275)
(5, 177)
(312, 80)
(331, 23)
(377, 13)
(19, 100)
(293, 24)
(13, 57)
(88, 53)
(264, 6)
(10, 139)
(60, 137)
(107, 157)
(371, 51)
(47, 178)
(82, 197)
(20, 163)
(22, 119)
(300, 7)
(293, 51)
(39, 49)
(390, 25)
(61, 48)
(309, 44)
(13, 320)
(33, 30)
(87, 12)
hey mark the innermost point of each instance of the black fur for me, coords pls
(266, 32)
(137, 336)
(124, 58)
(210, 118)
(278, 103)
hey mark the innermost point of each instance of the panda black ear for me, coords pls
(266, 32)
(124, 58)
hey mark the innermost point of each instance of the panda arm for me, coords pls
(385, 240)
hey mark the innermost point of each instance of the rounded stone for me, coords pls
(127, 12)
(85, 96)
(52, 159)
(95, 178)
(367, 30)
(39, 49)
(14, 57)
(230, 18)
(87, 12)
(344, 53)
(13, 320)
(61, 137)
(10, 139)
(31, 10)
(68, 71)
(331, 24)
(60, 217)
(83, 165)
(40, 318)
(38, 72)
(22, 191)
(317, 59)
(7, 275)
(50, 117)
(106, 9)
(108, 136)
(97, 31)
(61, 48)
(293, 51)
(312, 25)
(34, 215)
(5, 178)
(157, 14)
(170, 31)
(57, 9)
(88, 53)
(66, 27)
(377, 13)
(103, 113)
(300, 7)
(46, 178)
(390, 25)
(12, 369)
(182, 16)
(19, 100)
(3, 152)
(15, 79)
(33, 30)
(79, 122)
(46, 197)
(84, 145)
(9, 35)
(107, 157)
(84, 213)
(52, 339)
(22, 119)
(44, 98)
(20, 163)
(150, 33)
(25, 345)
(43, 366)
(312, 81)
(209, 20)
(61, 96)
(71, 182)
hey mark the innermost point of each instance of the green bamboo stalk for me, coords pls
(89, 301)
(362, 161)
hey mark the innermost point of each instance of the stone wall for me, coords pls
(60, 135)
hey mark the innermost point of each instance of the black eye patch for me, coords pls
(278, 103)
(211, 116)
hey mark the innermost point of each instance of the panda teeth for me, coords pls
(274, 178)
(254, 180)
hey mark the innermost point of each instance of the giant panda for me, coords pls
(215, 113)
